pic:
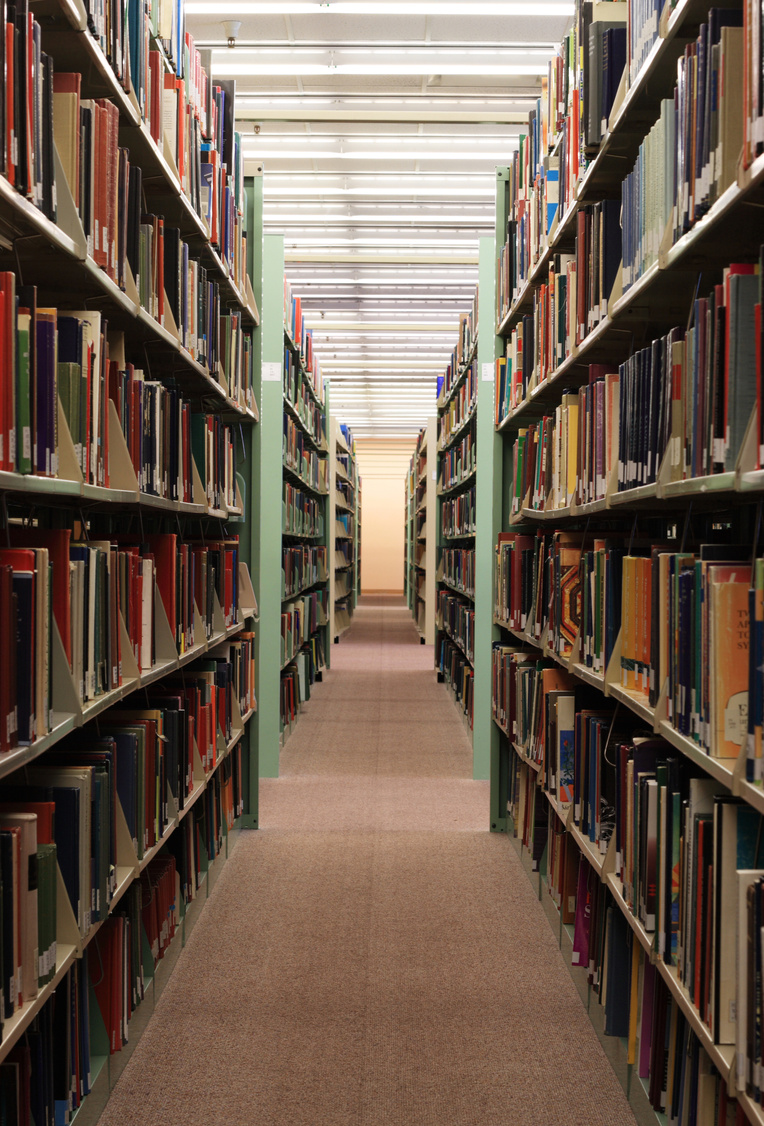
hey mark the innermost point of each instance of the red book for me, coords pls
(164, 549)
(582, 274)
(181, 149)
(99, 185)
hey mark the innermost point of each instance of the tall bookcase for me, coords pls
(343, 528)
(358, 517)
(465, 504)
(128, 514)
(627, 573)
(408, 518)
(422, 559)
(294, 595)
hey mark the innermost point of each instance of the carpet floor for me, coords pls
(372, 956)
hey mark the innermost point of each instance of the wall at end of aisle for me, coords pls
(382, 465)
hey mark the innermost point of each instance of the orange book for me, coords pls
(728, 627)
(627, 621)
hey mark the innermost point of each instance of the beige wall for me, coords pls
(383, 465)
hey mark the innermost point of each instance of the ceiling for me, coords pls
(379, 125)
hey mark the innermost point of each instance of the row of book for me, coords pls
(302, 567)
(530, 213)
(456, 617)
(457, 514)
(344, 494)
(460, 407)
(124, 239)
(344, 525)
(93, 591)
(49, 1071)
(70, 357)
(680, 615)
(144, 759)
(569, 457)
(303, 515)
(568, 304)
(468, 328)
(299, 676)
(190, 119)
(686, 858)
(457, 567)
(537, 586)
(607, 45)
(302, 457)
(685, 163)
(565, 128)
(695, 388)
(302, 337)
(165, 439)
(301, 618)
(676, 409)
(690, 156)
(343, 553)
(687, 160)
(457, 672)
(459, 460)
(677, 616)
(298, 393)
(465, 343)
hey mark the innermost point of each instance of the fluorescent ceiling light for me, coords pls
(379, 365)
(252, 152)
(410, 243)
(318, 334)
(400, 283)
(366, 178)
(430, 51)
(454, 192)
(273, 98)
(426, 320)
(379, 8)
(297, 68)
(343, 137)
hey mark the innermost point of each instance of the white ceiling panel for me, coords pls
(381, 183)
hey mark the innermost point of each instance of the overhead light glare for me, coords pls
(298, 68)
(380, 8)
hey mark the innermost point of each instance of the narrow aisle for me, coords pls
(372, 956)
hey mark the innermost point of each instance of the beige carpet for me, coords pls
(372, 956)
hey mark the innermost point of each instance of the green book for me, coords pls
(70, 393)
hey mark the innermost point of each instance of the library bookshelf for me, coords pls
(456, 473)
(343, 528)
(626, 681)
(294, 566)
(128, 518)
(422, 557)
(408, 518)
